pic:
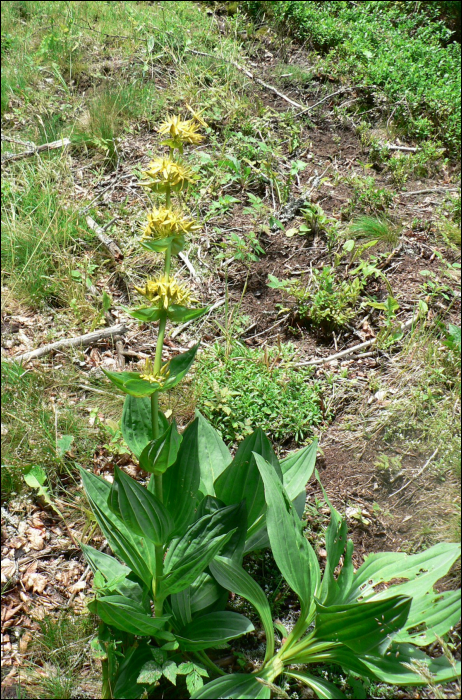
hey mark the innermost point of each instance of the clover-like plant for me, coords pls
(157, 597)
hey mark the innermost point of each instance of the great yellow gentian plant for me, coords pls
(178, 543)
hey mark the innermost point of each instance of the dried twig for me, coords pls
(416, 476)
(430, 189)
(189, 265)
(78, 341)
(8, 157)
(110, 245)
(324, 99)
(251, 76)
(350, 351)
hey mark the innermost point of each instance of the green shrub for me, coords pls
(249, 388)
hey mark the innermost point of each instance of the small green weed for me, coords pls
(367, 197)
(252, 387)
(323, 300)
(373, 228)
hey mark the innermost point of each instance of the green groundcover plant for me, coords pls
(178, 544)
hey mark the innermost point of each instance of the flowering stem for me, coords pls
(168, 259)
(167, 196)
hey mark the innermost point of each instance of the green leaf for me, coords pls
(215, 628)
(177, 244)
(150, 673)
(297, 470)
(212, 454)
(237, 685)
(363, 627)
(231, 518)
(241, 480)
(294, 556)
(430, 614)
(322, 688)
(194, 682)
(63, 444)
(348, 246)
(191, 554)
(235, 579)
(393, 667)
(115, 575)
(128, 672)
(181, 314)
(179, 366)
(160, 454)
(137, 423)
(147, 314)
(35, 478)
(130, 383)
(122, 613)
(138, 553)
(181, 480)
(141, 511)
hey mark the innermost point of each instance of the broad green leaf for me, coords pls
(131, 383)
(215, 628)
(136, 423)
(147, 314)
(188, 556)
(126, 686)
(232, 518)
(322, 688)
(179, 366)
(35, 479)
(393, 667)
(63, 444)
(181, 607)
(431, 616)
(241, 480)
(336, 544)
(122, 613)
(181, 314)
(297, 469)
(235, 579)
(141, 511)
(293, 554)
(241, 686)
(185, 571)
(150, 673)
(177, 244)
(160, 454)
(115, 575)
(205, 592)
(137, 552)
(213, 455)
(363, 627)
(181, 480)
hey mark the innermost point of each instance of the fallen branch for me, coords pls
(416, 476)
(431, 189)
(350, 351)
(111, 246)
(324, 99)
(8, 157)
(189, 265)
(410, 149)
(251, 76)
(80, 340)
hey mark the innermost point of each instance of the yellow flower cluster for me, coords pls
(163, 173)
(166, 291)
(179, 130)
(163, 222)
(155, 377)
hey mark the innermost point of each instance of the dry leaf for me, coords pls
(78, 586)
(35, 582)
(36, 538)
(8, 570)
(24, 642)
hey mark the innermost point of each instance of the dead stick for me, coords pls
(431, 189)
(349, 351)
(251, 76)
(327, 97)
(36, 149)
(80, 340)
(108, 243)
(417, 475)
